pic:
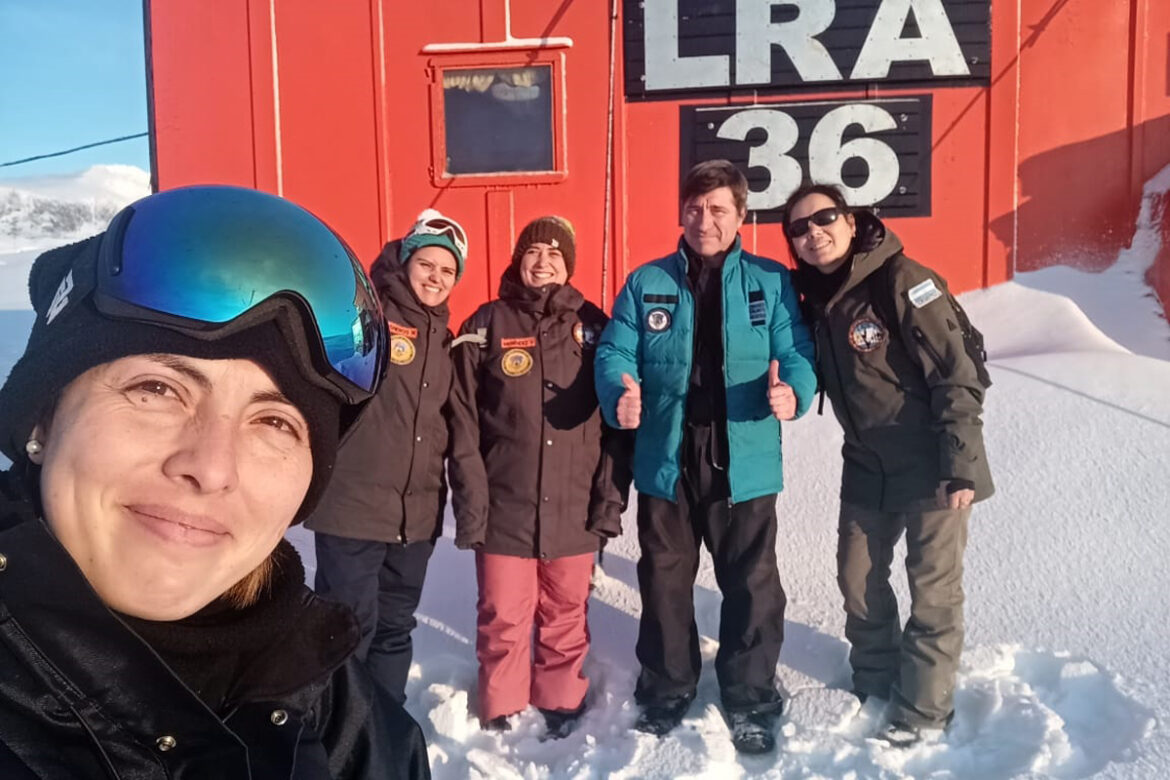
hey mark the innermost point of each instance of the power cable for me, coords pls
(74, 149)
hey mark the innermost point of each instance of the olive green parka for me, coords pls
(906, 393)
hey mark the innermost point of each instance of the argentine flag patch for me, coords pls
(923, 293)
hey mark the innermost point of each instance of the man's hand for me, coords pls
(780, 396)
(629, 406)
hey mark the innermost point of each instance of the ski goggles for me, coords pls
(441, 226)
(209, 261)
(823, 218)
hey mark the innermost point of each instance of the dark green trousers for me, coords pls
(913, 666)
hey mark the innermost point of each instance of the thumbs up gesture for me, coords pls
(629, 405)
(780, 396)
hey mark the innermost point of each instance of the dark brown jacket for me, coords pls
(908, 399)
(388, 484)
(527, 471)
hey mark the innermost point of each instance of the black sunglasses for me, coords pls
(825, 217)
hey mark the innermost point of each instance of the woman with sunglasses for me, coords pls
(533, 494)
(377, 524)
(892, 358)
(177, 407)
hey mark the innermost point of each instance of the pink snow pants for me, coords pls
(515, 596)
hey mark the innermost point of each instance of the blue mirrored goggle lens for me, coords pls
(212, 259)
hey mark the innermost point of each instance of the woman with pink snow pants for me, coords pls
(532, 490)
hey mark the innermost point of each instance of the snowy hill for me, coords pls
(38, 213)
(66, 207)
(1064, 672)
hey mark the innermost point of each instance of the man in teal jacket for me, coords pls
(705, 354)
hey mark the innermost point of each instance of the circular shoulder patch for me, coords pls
(401, 350)
(516, 362)
(657, 320)
(586, 337)
(867, 334)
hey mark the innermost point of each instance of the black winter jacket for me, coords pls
(906, 393)
(527, 469)
(82, 696)
(389, 484)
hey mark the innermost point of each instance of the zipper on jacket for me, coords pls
(406, 488)
(682, 434)
(939, 363)
(840, 383)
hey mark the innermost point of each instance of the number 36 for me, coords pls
(827, 153)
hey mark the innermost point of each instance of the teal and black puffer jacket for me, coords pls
(651, 338)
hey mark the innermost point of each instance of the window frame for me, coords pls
(550, 56)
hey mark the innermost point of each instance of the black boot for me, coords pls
(560, 723)
(498, 723)
(753, 732)
(663, 716)
(899, 735)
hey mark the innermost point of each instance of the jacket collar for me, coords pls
(99, 656)
(551, 299)
(730, 260)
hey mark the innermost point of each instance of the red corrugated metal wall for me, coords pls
(333, 106)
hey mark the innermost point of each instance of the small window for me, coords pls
(498, 120)
(497, 116)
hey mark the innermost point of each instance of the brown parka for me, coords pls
(527, 469)
(388, 484)
(907, 394)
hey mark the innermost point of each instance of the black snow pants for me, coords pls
(742, 541)
(382, 583)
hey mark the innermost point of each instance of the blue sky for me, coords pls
(71, 72)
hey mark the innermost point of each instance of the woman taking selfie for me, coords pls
(904, 371)
(177, 407)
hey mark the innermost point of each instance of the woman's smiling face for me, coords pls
(825, 247)
(432, 272)
(542, 264)
(169, 478)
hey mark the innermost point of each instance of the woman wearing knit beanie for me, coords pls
(179, 403)
(537, 481)
(376, 526)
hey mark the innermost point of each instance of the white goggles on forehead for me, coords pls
(442, 226)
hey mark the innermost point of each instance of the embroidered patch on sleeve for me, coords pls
(923, 293)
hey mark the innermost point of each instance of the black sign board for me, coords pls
(679, 47)
(878, 150)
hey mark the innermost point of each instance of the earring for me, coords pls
(33, 447)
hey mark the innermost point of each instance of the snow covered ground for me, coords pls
(1067, 615)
